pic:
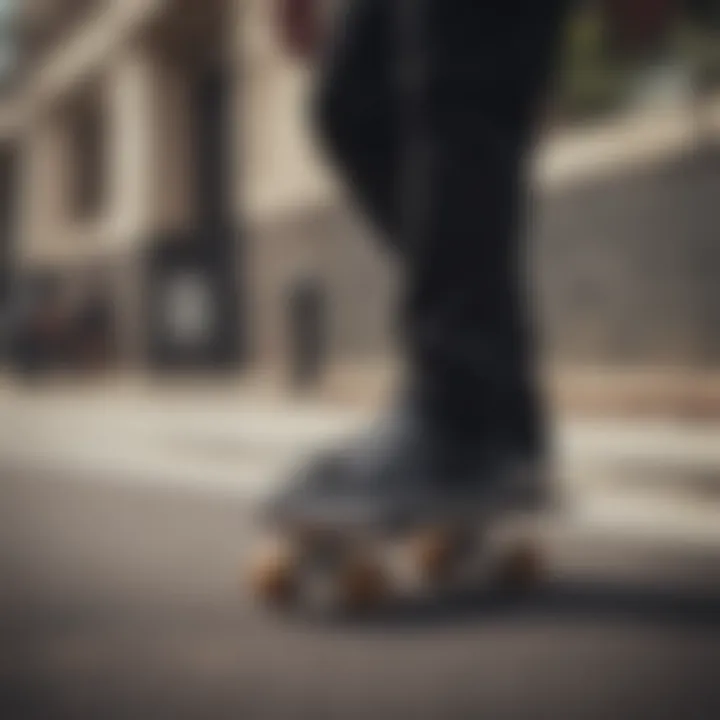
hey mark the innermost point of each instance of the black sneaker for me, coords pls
(405, 471)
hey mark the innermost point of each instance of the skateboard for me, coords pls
(326, 568)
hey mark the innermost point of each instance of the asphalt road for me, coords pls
(126, 603)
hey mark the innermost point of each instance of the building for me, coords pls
(148, 143)
(152, 154)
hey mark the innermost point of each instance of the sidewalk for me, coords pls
(642, 476)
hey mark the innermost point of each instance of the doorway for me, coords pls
(195, 273)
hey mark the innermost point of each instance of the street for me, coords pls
(193, 302)
(126, 601)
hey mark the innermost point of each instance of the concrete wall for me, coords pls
(628, 266)
(624, 253)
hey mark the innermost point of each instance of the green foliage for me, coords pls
(700, 46)
(591, 81)
(595, 81)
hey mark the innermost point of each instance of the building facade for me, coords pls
(154, 157)
(152, 141)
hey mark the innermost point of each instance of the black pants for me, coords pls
(427, 109)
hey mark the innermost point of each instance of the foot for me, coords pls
(405, 470)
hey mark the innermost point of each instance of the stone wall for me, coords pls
(628, 265)
(626, 268)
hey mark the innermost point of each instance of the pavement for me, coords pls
(126, 601)
(642, 476)
(125, 522)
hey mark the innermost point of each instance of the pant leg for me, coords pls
(427, 109)
(480, 68)
(355, 109)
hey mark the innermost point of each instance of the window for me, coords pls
(88, 148)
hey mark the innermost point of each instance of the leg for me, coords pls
(355, 113)
(485, 65)
(451, 198)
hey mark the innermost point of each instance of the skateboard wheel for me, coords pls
(338, 582)
(434, 552)
(522, 569)
(272, 576)
(363, 585)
